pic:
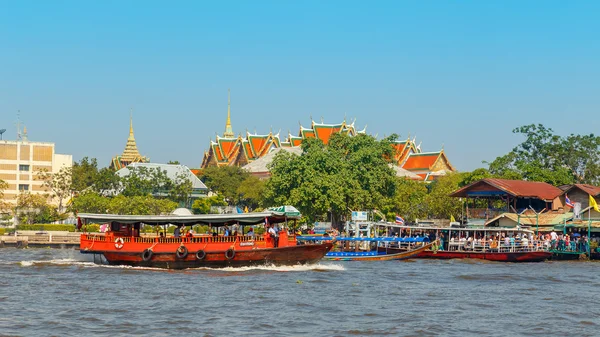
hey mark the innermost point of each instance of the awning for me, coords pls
(288, 211)
(189, 220)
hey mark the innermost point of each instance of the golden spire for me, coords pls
(131, 126)
(228, 129)
(131, 152)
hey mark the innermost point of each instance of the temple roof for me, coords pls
(421, 161)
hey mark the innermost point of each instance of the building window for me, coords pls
(23, 187)
(23, 167)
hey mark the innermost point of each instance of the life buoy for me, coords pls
(182, 252)
(147, 254)
(119, 242)
(200, 255)
(229, 254)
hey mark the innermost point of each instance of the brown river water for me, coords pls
(54, 292)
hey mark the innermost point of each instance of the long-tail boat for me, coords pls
(485, 243)
(123, 244)
(371, 249)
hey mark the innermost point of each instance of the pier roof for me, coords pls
(517, 188)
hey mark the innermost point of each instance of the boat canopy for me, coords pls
(363, 239)
(189, 220)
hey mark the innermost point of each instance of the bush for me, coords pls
(2, 231)
(47, 227)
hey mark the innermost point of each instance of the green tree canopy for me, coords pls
(225, 180)
(84, 174)
(545, 156)
(350, 173)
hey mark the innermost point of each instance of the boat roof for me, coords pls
(471, 229)
(378, 239)
(195, 219)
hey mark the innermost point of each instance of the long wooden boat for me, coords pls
(123, 244)
(368, 249)
(487, 250)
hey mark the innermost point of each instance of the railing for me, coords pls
(496, 247)
(193, 239)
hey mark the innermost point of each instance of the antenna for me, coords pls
(2, 131)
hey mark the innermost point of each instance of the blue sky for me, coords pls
(461, 74)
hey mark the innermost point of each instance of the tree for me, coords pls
(34, 208)
(4, 206)
(142, 181)
(545, 156)
(107, 182)
(203, 205)
(225, 181)
(250, 192)
(408, 201)
(350, 173)
(58, 184)
(181, 190)
(84, 174)
(91, 202)
(174, 162)
(439, 203)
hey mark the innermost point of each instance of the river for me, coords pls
(54, 292)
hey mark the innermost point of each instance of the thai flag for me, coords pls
(568, 201)
(399, 220)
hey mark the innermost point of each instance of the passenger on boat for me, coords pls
(273, 234)
(251, 232)
(189, 234)
(177, 232)
(226, 231)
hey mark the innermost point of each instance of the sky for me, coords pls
(457, 75)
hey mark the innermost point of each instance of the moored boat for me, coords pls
(492, 244)
(372, 249)
(123, 244)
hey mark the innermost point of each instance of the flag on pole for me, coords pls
(594, 204)
(568, 201)
(399, 220)
(452, 218)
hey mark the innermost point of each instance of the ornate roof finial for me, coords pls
(131, 123)
(228, 130)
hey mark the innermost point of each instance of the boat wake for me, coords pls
(86, 264)
(296, 268)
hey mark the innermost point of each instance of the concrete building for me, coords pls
(20, 161)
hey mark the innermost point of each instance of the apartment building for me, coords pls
(21, 160)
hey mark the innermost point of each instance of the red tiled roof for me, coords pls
(517, 188)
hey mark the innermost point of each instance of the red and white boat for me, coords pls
(123, 244)
(492, 244)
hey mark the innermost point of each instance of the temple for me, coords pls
(130, 154)
(229, 150)
(427, 165)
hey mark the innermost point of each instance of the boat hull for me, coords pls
(568, 256)
(304, 254)
(378, 256)
(537, 256)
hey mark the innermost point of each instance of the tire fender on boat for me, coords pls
(229, 254)
(147, 254)
(200, 255)
(181, 252)
(119, 243)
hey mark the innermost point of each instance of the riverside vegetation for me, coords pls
(325, 182)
